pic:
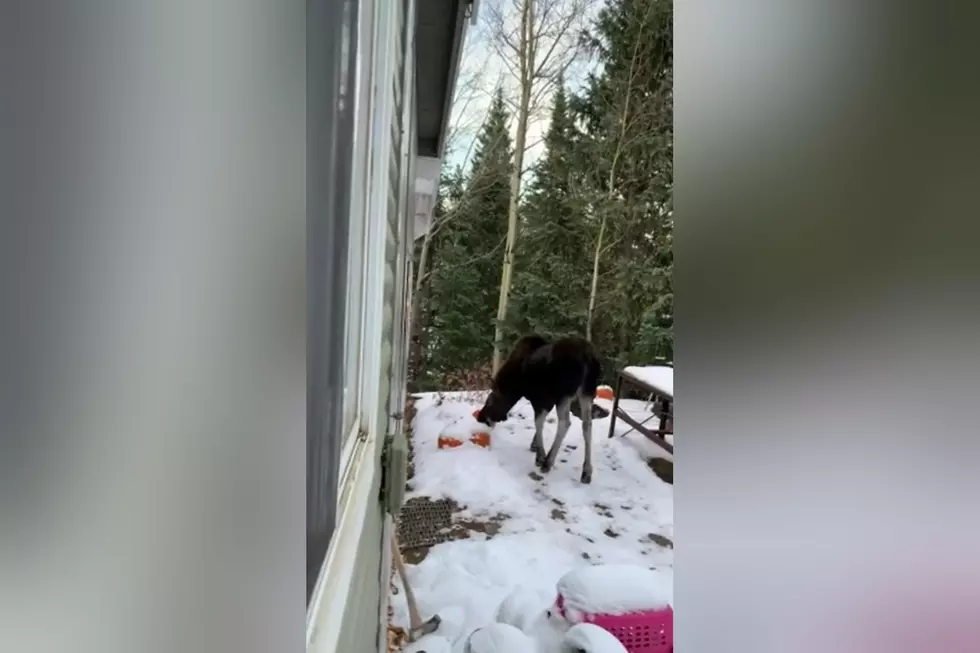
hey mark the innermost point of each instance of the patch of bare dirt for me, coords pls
(397, 638)
(659, 540)
(663, 468)
(410, 412)
(462, 528)
(558, 513)
(415, 555)
(603, 510)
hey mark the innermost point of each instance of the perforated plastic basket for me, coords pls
(651, 631)
(640, 632)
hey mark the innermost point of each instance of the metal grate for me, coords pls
(424, 522)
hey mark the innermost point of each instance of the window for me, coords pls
(329, 166)
(357, 257)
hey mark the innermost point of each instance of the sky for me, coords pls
(481, 70)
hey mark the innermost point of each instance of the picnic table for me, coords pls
(654, 380)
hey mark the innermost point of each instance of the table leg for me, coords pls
(615, 406)
(663, 414)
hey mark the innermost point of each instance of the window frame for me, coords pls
(359, 232)
(327, 259)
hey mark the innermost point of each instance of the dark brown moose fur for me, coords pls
(549, 374)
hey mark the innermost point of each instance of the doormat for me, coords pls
(423, 522)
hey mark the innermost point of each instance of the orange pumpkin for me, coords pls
(449, 442)
(481, 439)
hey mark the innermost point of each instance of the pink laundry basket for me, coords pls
(650, 631)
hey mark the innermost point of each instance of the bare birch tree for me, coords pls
(536, 41)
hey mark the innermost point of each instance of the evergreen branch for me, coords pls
(471, 261)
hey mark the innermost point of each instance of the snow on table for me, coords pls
(548, 524)
(657, 376)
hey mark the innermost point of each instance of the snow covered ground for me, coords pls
(548, 524)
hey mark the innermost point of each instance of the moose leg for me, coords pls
(564, 422)
(585, 403)
(537, 444)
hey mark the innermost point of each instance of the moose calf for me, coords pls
(550, 374)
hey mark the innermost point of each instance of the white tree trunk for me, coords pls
(593, 292)
(526, 61)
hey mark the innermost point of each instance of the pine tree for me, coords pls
(426, 250)
(551, 282)
(626, 113)
(594, 249)
(466, 270)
